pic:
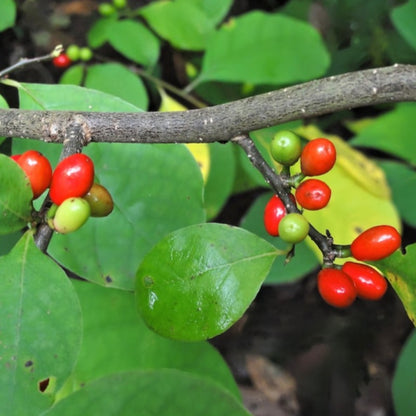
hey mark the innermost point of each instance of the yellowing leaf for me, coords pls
(359, 167)
(360, 194)
(200, 151)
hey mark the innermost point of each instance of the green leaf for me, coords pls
(154, 392)
(117, 80)
(403, 18)
(186, 24)
(399, 270)
(99, 31)
(7, 14)
(73, 75)
(40, 328)
(220, 179)
(15, 196)
(134, 41)
(392, 133)
(197, 281)
(401, 178)
(49, 97)
(302, 263)
(403, 387)
(276, 54)
(111, 323)
(165, 195)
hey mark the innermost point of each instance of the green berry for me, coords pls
(85, 54)
(71, 215)
(106, 9)
(286, 147)
(73, 52)
(293, 228)
(120, 4)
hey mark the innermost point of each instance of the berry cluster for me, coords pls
(72, 54)
(72, 190)
(338, 285)
(316, 158)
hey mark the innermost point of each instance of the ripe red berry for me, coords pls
(370, 284)
(61, 61)
(317, 157)
(15, 157)
(73, 177)
(376, 243)
(274, 211)
(38, 169)
(313, 194)
(336, 288)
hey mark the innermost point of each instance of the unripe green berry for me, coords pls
(100, 200)
(85, 54)
(106, 9)
(73, 52)
(293, 228)
(71, 215)
(120, 4)
(286, 147)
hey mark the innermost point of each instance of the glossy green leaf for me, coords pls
(98, 33)
(15, 196)
(145, 209)
(134, 41)
(49, 97)
(111, 323)
(108, 250)
(7, 14)
(40, 329)
(392, 133)
(276, 54)
(401, 178)
(199, 280)
(220, 179)
(404, 17)
(302, 263)
(399, 270)
(117, 80)
(186, 24)
(154, 392)
(403, 387)
(73, 75)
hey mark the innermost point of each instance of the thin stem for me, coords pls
(29, 61)
(169, 87)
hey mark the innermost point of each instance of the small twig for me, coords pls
(76, 137)
(29, 61)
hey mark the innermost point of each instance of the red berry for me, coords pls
(336, 288)
(313, 194)
(73, 177)
(370, 284)
(15, 157)
(61, 61)
(376, 243)
(38, 169)
(317, 157)
(274, 211)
